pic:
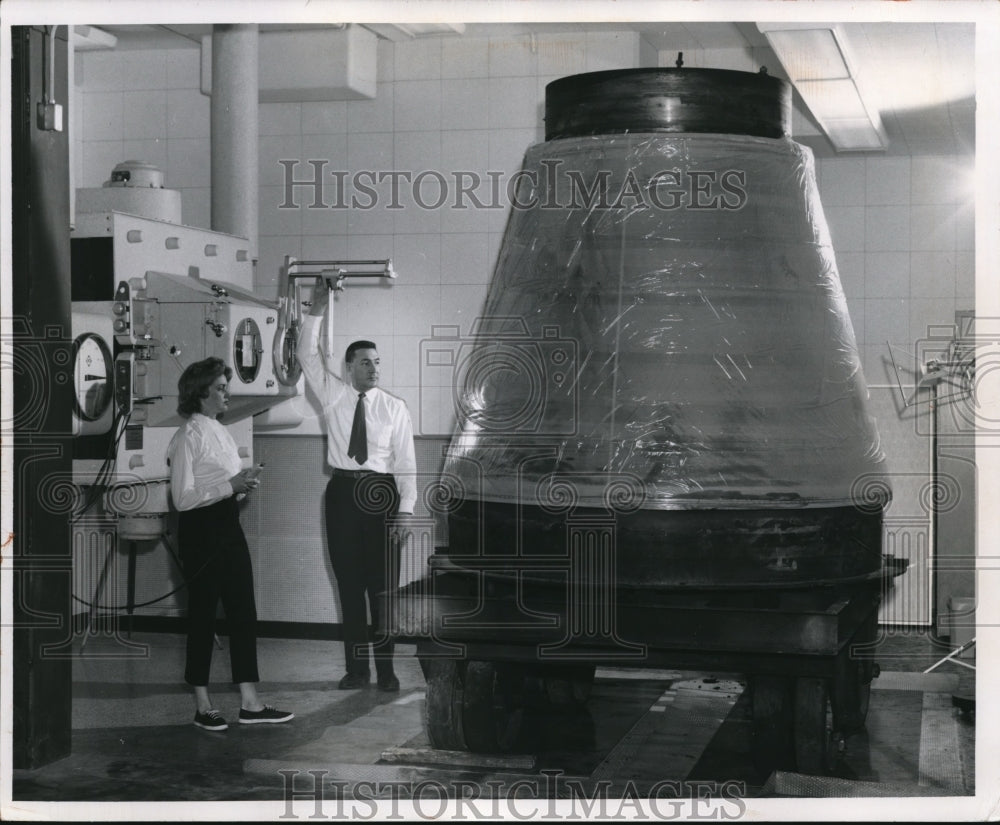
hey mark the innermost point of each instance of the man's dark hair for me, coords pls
(354, 347)
(195, 381)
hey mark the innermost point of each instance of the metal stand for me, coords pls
(130, 588)
(951, 657)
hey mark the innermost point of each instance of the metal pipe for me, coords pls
(234, 135)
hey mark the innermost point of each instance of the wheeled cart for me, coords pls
(483, 636)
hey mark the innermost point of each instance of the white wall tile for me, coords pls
(465, 57)
(407, 360)
(467, 152)
(965, 226)
(372, 115)
(740, 60)
(144, 69)
(417, 152)
(965, 278)
(324, 222)
(385, 59)
(934, 227)
(876, 365)
(417, 308)
(326, 248)
(102, 71)
(418, 59)
(934, 179)
(324, 118)
(272, 218)
(152, 151)
(888, 181)
(274, 148)
(417, 258)
(932, 275)
(324, 208)
(102, 116)
(462, 305)
(144, 114)
(188, 114)
(927, 313)
(370, 247)
(887, 228)
(99, 157)
(465, 259)
(374, 221)
(512, 57)
(887, 275)
(841, 181)
(562, 54)
(188, 163)
(417, 105)
(514, 103)
(183, 68)
(280, 119)
(648, 54)
(612, 50)
(856, 312)
(887, 319)
(365, 310)
(847, 227)
(196, 206)
(271, 254)
(851, 267)
(465, 103)
(373, 152)
(420, 213)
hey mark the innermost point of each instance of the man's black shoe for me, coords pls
(389, 684)
(354, 681)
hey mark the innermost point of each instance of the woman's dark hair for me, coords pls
(194, 383)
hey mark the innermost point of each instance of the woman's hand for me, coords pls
(243, 482)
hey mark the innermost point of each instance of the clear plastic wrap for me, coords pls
(666, 328)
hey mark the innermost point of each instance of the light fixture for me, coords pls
(398, 32)
(817, 60)
(91, 38)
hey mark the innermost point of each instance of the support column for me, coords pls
(234, 136)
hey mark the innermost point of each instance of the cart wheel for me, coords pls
(772, 723)
(443, 704)
(571, 686)
(815, 742)
(492, 706)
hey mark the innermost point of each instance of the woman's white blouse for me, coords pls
(203, 457)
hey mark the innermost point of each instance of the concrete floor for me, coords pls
(133, 739)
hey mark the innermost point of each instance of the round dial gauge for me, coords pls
(93, 376)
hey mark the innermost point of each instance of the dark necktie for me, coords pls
(358, 448)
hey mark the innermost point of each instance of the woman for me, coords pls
(206, 483)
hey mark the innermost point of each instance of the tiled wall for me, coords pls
(447, 105)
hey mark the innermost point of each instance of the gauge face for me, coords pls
(247, 350)
(93, 376)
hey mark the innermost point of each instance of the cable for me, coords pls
(177, 589)
(104, 473)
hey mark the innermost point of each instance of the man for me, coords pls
(370, 451)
